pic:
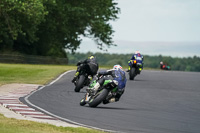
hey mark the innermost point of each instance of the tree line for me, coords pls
(49, 27)
(104, 59)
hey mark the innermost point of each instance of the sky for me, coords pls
(154, 27)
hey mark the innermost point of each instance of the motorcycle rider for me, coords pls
(161, 65)
(89, 64)
(116, 75)
(164, 66)
(136, 56)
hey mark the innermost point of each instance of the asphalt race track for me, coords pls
(155, 102)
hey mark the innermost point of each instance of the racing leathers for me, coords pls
(90, 65)
(139, 58)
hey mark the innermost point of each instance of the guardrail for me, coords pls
(31, 59)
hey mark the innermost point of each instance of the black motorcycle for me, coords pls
(135, 69)
(82, 80)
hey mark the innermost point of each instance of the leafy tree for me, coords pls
(19, 20)
(48, 27)
(68, 20)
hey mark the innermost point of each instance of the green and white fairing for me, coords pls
(102, 93)
(105, 83)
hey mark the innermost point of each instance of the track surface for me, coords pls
(155, 102)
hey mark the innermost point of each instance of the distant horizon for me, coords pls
(141, 53)
(151, 48)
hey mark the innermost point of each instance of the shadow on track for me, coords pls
(137, 80)
(114, 108)
(111, 108)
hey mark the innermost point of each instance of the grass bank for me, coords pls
(10, 125)
(32, 74)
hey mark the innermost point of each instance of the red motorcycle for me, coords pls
(164, 66)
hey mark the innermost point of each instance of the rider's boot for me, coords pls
(75, 76)
(112, 100)
(140, 69)
(128, 69)
(109, 101)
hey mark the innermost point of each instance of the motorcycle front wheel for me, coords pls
(83, 102)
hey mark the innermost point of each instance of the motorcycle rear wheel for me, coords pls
(132, 73)
(80, 83)
(99, 98)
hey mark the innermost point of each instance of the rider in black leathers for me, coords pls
(89, 64)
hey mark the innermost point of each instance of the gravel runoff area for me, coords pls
(11, 107)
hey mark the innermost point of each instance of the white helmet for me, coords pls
(117, 67)
(137, 52)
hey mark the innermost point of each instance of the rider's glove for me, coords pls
(98, 75)
(130, 61)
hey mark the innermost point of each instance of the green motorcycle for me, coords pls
(105, 92)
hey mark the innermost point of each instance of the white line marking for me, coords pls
(12, 96)
(13, 108)
(39, 116)
(14, 105)
(29, 112)
(8, 98)
(9, 102)
(59, 77)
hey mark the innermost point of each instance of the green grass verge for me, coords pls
(30, 74)
(33, 74)
(10, 125)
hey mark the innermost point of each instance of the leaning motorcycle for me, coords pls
(135, 68)
(93, 99)
(82, 80)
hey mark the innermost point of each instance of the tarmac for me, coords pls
(11, 107)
